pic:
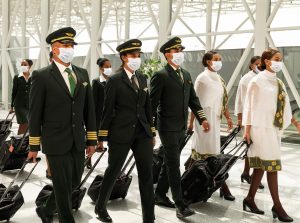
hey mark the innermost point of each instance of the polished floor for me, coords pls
(216, 210)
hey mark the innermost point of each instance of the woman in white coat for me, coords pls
(211, 90)
(239, 105)
(267, 112)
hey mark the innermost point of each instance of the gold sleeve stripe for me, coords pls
(103, 130)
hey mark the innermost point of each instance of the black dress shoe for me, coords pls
(163, 201)
(228, 197)
(283, 218)
(103, 215)
(43, 216)
(183, 212)
(247, 178)
(252, 207)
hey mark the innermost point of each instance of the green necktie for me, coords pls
(178, 71)
(71, 81)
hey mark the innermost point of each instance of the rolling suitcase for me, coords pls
(5, 126)
(225, 141)
(121, 185)
(11, 198)
(204, 177)
(77, 193)
(14, 152)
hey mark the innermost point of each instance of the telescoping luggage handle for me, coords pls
(126, 165)
(189, 134)
(230, 137)
(17, 176)
(92, 169)
(22, 139)
(5, 120)
(242, 155)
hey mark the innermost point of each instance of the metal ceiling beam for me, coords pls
(208, 24)
(5, 27)
(44, 61)
(96, 20)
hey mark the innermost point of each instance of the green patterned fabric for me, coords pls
(278, 119)
(266, 165)
(197, 156)
(225, 97)
(71, 80)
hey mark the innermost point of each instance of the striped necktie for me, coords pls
(71, 81)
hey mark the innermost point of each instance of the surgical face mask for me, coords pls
(276, 66)
(134, 63)
(216, 65)
(66, 54)
(178, 58)
(107, 71)
(256, 70)
(24, 69)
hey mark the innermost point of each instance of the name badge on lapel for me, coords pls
(85, 84)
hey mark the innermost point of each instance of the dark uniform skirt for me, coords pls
(22, 115)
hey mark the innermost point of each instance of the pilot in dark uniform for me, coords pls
(172, 93)
(62, 122)
(127, 124)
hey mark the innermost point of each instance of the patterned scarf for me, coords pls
(278, 120)
(225, 97)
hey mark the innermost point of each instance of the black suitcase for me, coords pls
(204, 177)
(14, 152)
(5, 126)
(11, 198)
(77, 193)
(225, 141)
(121, 185)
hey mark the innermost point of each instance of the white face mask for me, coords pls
(256, 70)
(66, 54)
(24, 69)
(178, 58)
(134, 63)
(276, 66)
(107, 71)
(216, 65)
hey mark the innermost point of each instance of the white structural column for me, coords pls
(127, 19)
(23, 27)
(165, 13)
(96, 20)
(5, 25)
(208, 24)
(68, 12)
(260, 31)
(44, 32)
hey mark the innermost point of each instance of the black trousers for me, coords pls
(142, 149)
(66, 173)
(170, 172)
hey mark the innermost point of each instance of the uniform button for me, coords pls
(73, 125)
(73, 102)
(138, 105)
(73, 113)
(133, 126)
(138, 115)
